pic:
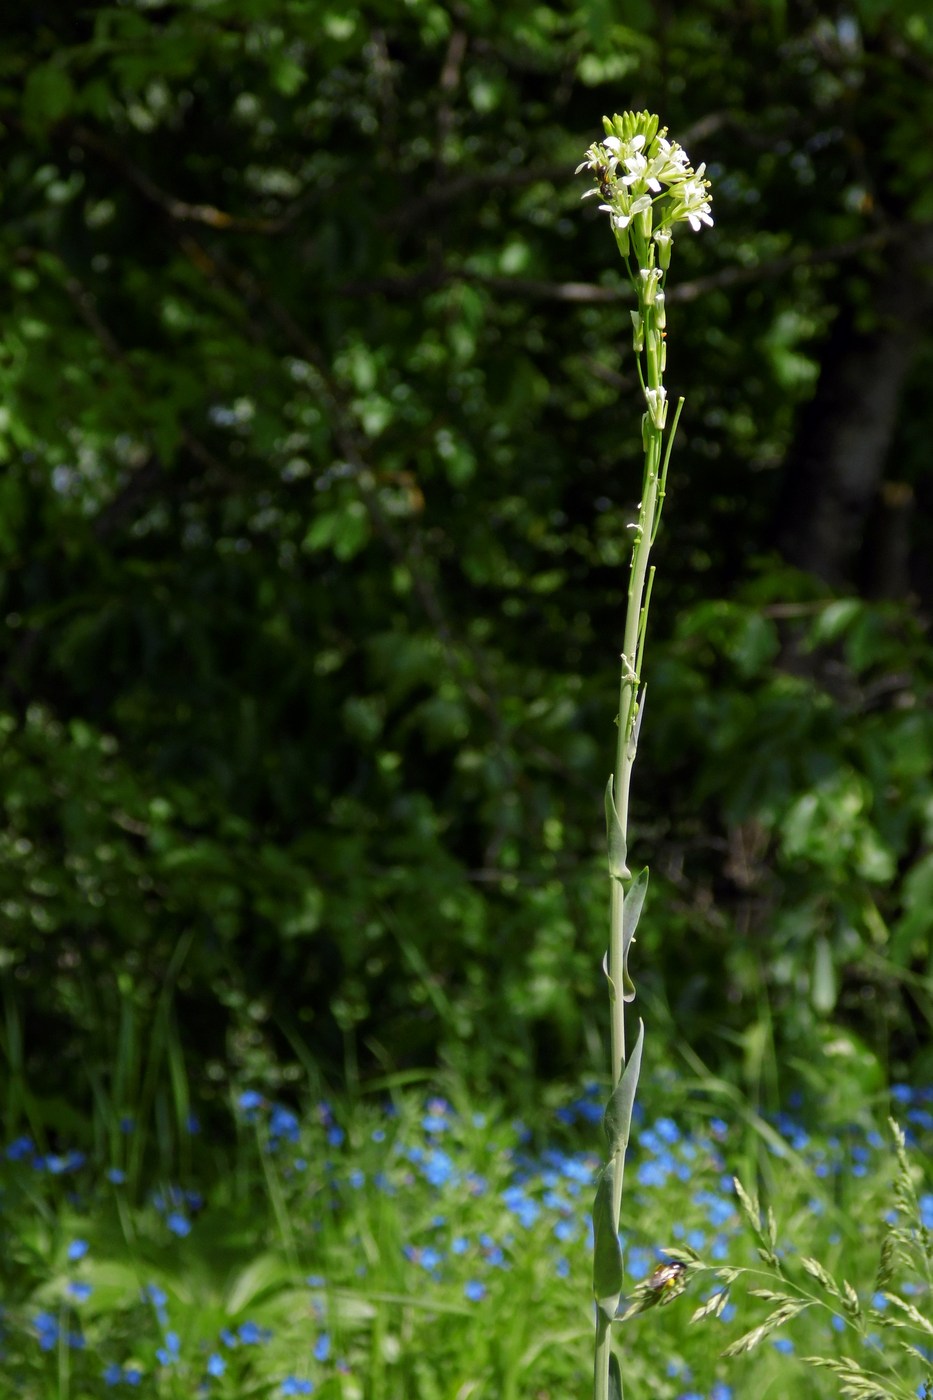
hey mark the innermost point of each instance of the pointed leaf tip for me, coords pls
(617, 1119)
(632, 905)
(615, 838)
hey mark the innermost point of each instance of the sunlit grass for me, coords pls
(421, 1246)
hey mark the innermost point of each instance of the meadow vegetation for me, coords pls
(318, 485)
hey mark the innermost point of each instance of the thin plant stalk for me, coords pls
(648, 187)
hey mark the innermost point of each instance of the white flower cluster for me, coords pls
(635, 174)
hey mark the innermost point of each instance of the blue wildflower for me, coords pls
(46, 1325)
(283, 1124)
(438, 1168)
(57, 1165)
(251, 1334)
(651, 1174)
(522, 1206)
(155, 1295)
(169, 1354)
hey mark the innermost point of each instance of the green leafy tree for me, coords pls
(313, 521)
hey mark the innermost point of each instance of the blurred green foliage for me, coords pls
(320, 448)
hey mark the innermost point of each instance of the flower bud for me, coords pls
(657, 406)
(650, 280)
(638, 331)
(664, 239)
(623, 242)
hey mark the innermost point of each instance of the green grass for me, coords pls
(404, 1246)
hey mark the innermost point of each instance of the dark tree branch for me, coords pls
(177, 209)
(591, 293)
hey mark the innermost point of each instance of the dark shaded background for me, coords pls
(319, 430)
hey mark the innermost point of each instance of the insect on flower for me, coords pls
(602, 173)
(667, 1279)
(666, 1283)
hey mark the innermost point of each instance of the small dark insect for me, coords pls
(666, 1276)
(602, 173)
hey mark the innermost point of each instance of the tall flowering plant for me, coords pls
(647, 187)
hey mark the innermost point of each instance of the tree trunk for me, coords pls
(833, 518)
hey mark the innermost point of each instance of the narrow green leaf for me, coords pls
(607, 1252)
(631, 912)
(615, 1378)
(617, 1119)
(615, 838)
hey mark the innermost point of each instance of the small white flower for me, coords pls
(657, 405)
(697, 217)
(672, 161)
(623, 217)
(637, 166)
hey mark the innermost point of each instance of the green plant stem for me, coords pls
(647, 185)
(631, 699)
(601, 1359)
